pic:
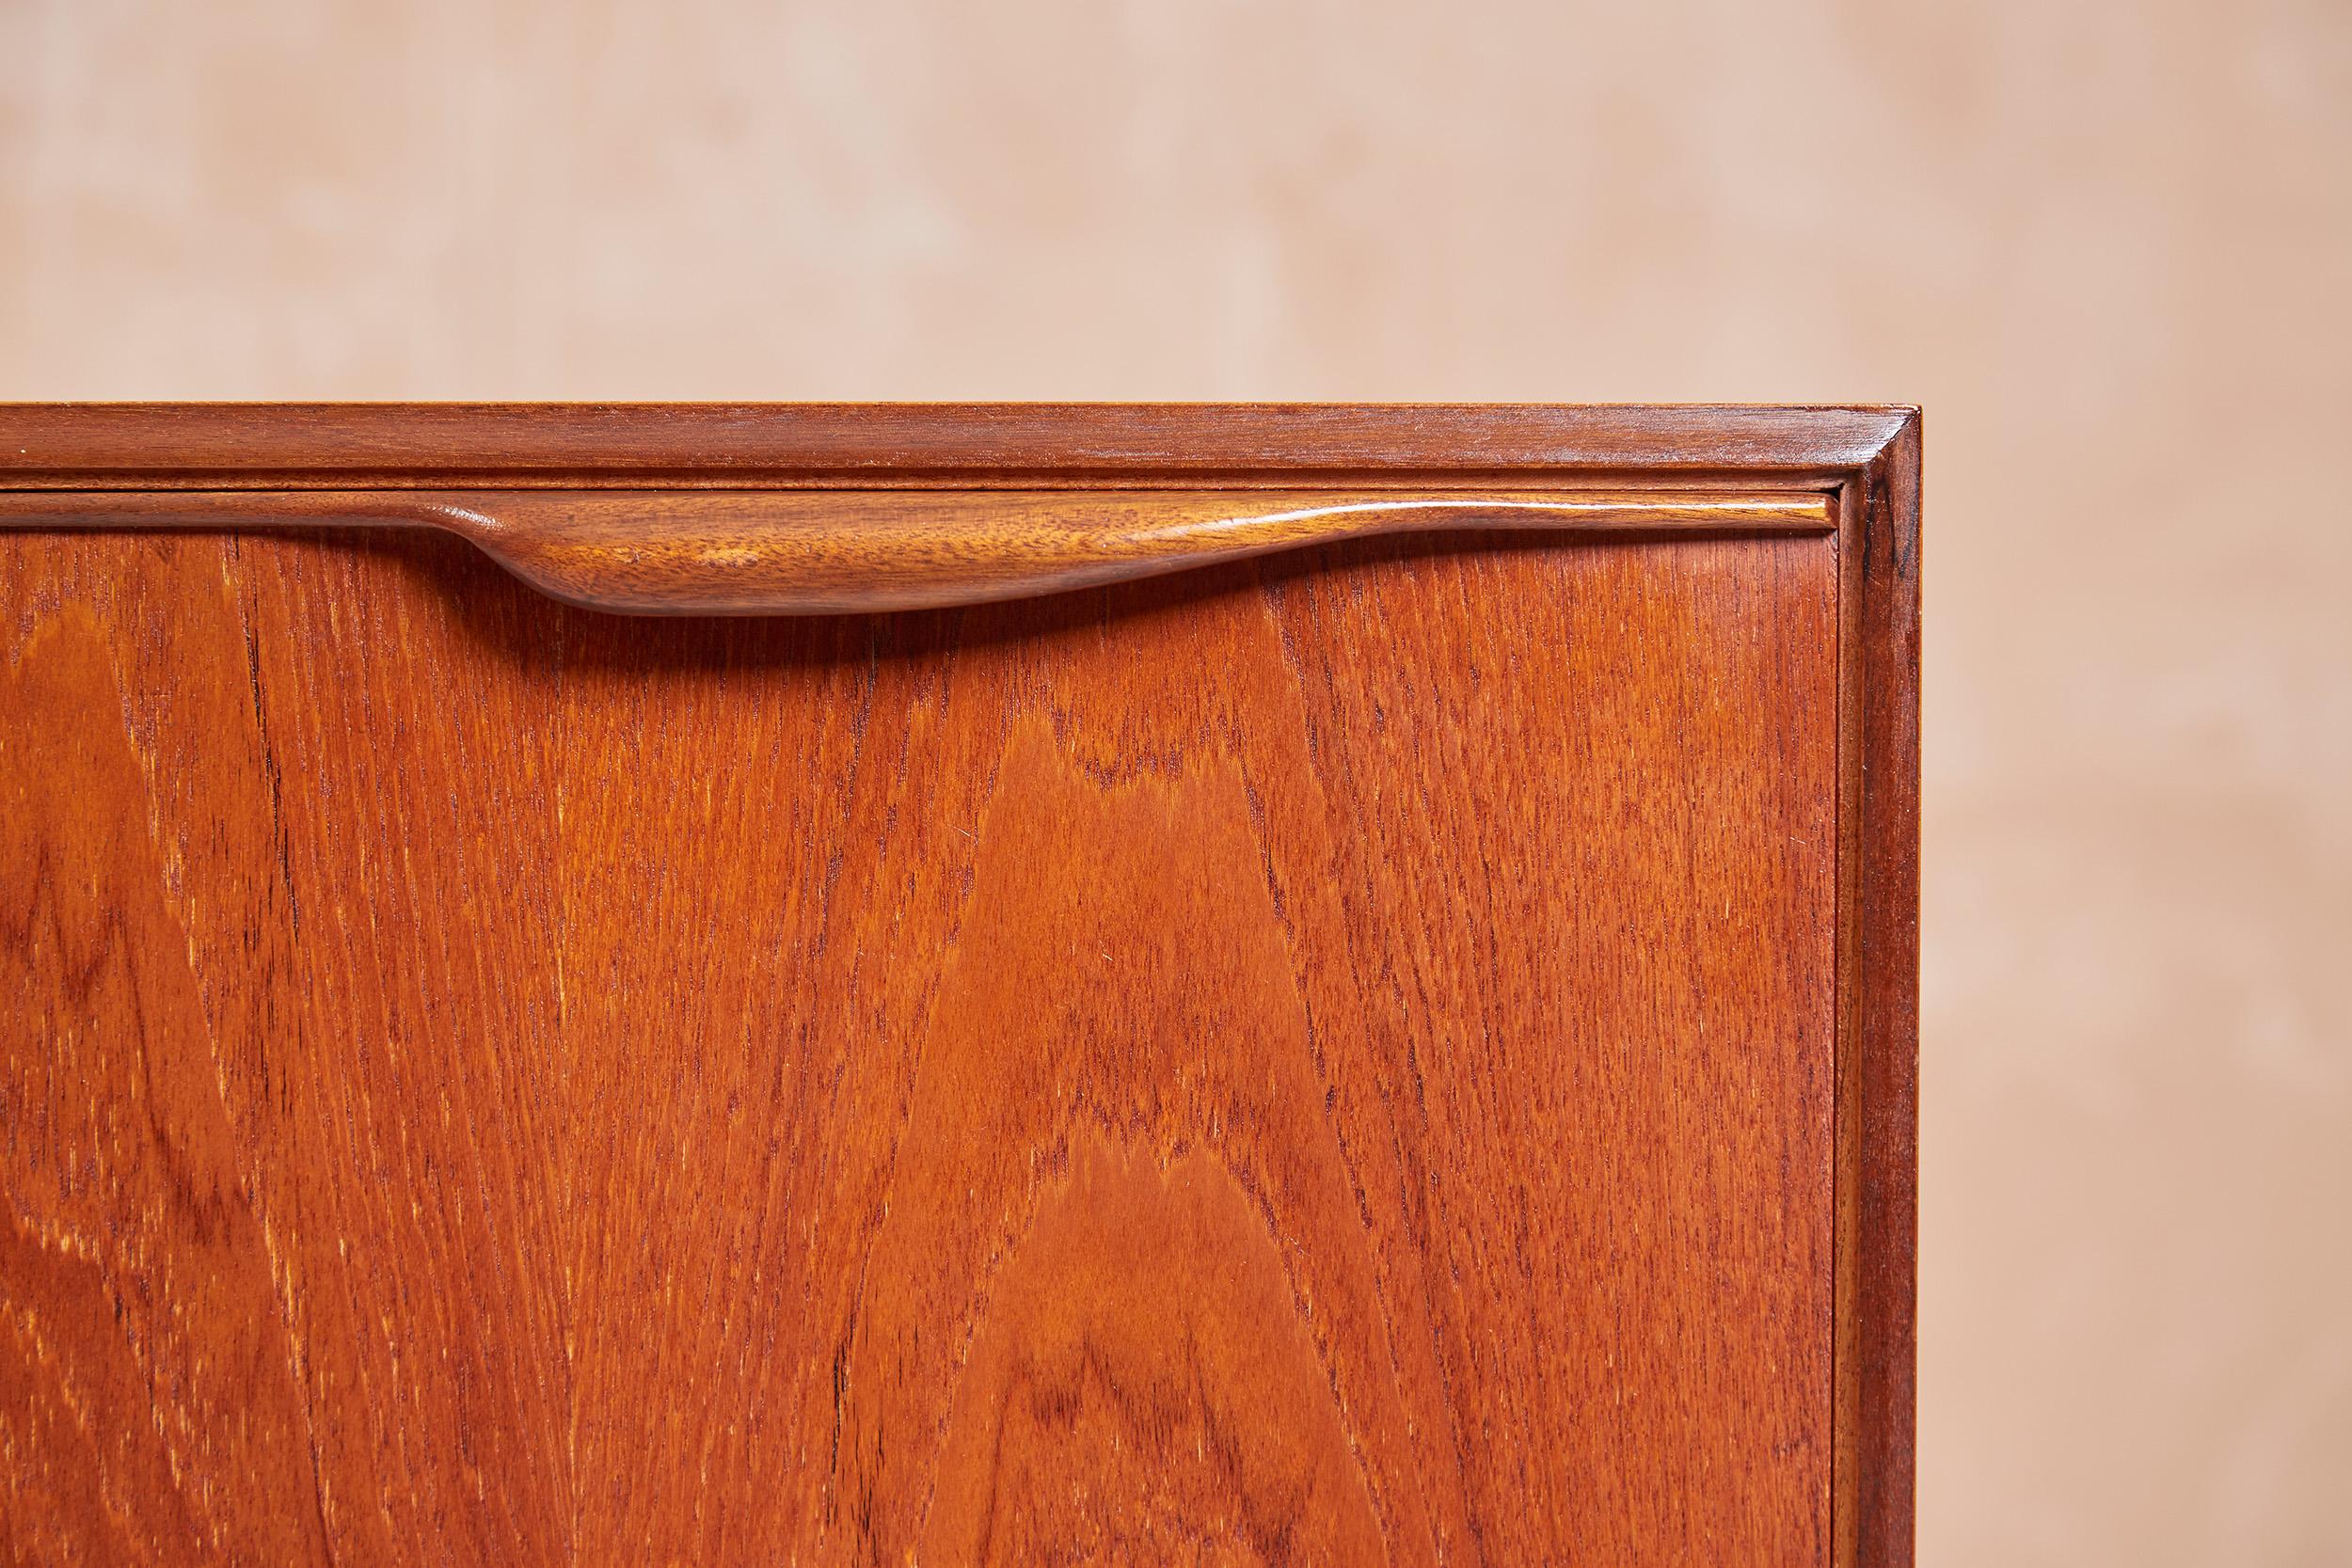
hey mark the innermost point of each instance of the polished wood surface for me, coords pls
(134, 445)
(1389, 1052)
(1878, 1092)
(724, 508)
(810, 552)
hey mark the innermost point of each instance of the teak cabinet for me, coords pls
(1393, 1043)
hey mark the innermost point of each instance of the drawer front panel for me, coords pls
(1325, 1058)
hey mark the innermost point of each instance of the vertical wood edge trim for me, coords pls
(1876, 1209)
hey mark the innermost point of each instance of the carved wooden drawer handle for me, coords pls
(817, 551)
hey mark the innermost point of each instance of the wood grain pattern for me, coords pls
(1391, 1051)
(810, 552)
(263, 446)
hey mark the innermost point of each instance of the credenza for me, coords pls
(951, 984)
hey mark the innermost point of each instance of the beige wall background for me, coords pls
(2107, 245)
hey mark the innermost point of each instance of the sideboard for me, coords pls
(949, 984)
